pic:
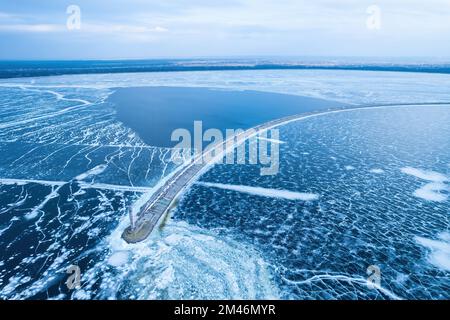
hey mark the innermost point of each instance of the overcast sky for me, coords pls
(112, 29)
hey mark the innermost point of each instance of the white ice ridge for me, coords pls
(48, 115)
(440, 250)
(432, 191)
(264, 192)
(35, 211)
(58, 95)
(95, 145)
(118, 258)
(113, 187)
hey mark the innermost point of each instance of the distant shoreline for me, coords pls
(25, 69)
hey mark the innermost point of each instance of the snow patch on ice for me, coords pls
(440, 250)
(93, 172)
(425, 174)
(118, 258)
(432, 192)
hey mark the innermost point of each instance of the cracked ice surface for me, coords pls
(69, 171)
